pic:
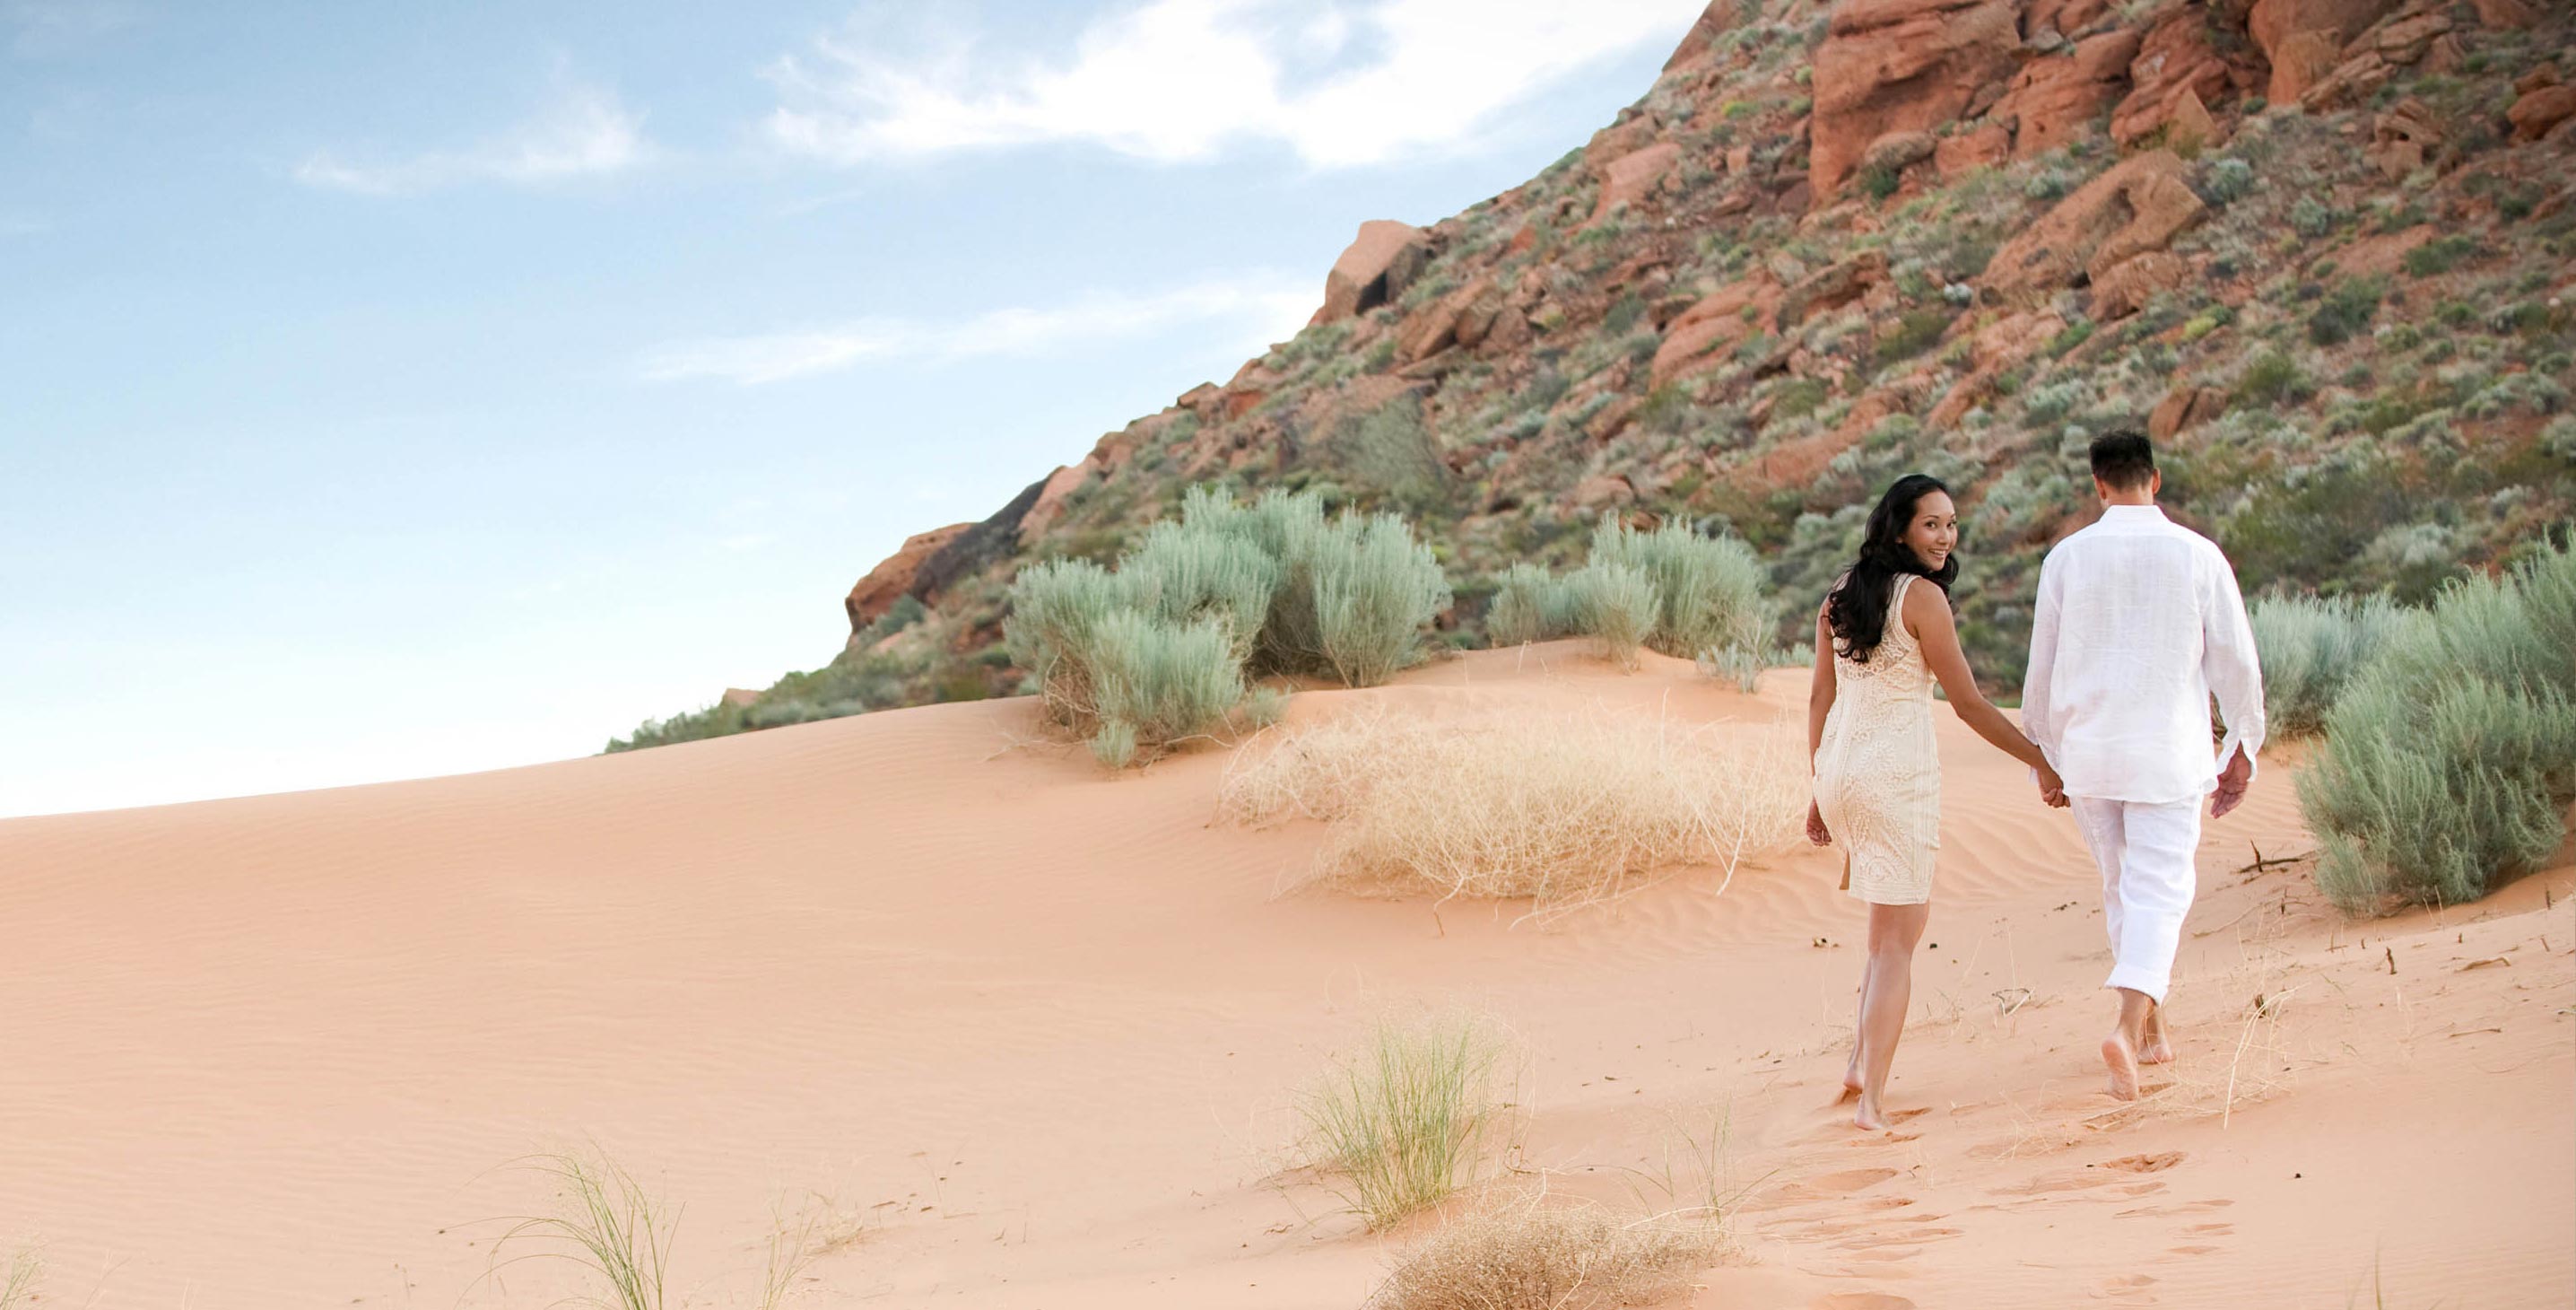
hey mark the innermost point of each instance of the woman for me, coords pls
(1881, 641)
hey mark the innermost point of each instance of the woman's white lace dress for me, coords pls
(1878, 779)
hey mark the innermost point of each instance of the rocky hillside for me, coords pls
(2322, 249)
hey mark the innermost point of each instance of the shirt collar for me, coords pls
(2137, 512)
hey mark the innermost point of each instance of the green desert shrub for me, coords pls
(1530, 605)
(1355, 591)
(1160, 681)
(1708, 589)
(1617, 605)
(2311, 649)
(2448, 763)
(2273, 378)
(2345, 310)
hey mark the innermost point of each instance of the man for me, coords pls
(2138, 622)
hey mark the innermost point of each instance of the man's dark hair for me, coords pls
(2123, 459)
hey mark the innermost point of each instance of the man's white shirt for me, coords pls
(2139, 621)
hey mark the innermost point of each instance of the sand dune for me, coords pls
(1033, 1031)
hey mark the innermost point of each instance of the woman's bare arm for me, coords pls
(1927, 616)
(1820, 689)
(1820, 702)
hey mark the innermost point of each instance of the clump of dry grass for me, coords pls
(1405, 1121)
(1566, 809)
(18, 1281)
(1528, 1255)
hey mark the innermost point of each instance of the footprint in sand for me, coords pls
(1860, 1301)
(2145, 1164)
(2212, 1230)
(2193, 1250)
(1850, 1180)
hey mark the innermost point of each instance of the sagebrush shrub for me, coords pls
(1530, 605)
(1617, 604)
(2311, 649)
(1708, 589)
(2449, 761)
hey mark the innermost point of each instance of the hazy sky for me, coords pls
(399, 390)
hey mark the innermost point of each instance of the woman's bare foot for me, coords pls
(1869, 1117)
(1851, 1078)
(2123, 1063)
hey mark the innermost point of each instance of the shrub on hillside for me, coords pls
(1355, 591)
(1110, 669)
(1529, 605)
(1708, 590)
(2311, 649)
(2449, 762)
(1617, 605)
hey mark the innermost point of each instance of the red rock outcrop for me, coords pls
(1903, 66)
(2403, 139)
(2305, 39)
(2134, 208)
(2053, 100)
(2122, 289)
(1631, 177)
(1460, 318)
(1707, 330)
(2184, 408)
(1702, 36)
(2535, 112)
(1374, 269)
(891, 580)
(2506, 14)
(2177, 55)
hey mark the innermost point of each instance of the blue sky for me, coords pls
(390, 391)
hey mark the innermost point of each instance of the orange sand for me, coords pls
(1037, 1029)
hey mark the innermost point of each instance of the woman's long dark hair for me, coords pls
(1857, 607)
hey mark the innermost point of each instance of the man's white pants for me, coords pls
(2145, 854)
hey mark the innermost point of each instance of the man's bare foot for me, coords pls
(1869, 1117)
(2157, 1050)
(2124, 1066)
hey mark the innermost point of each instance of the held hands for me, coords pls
(1816, 826)
(2052, 788)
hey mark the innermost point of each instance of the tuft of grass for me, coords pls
(1531, 1255)
(1567, 810)
(1530, 605)
(2449, 762)
(18, 1281)
(1405, 1122)
(605, 1224)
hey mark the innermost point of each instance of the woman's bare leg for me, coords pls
(1894, 931)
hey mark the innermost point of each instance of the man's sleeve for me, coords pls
(2036, 680)
(2229, 661)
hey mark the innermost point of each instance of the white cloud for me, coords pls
(587, 132)
(51, 27)
(1361, 82)
(1261, 308)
